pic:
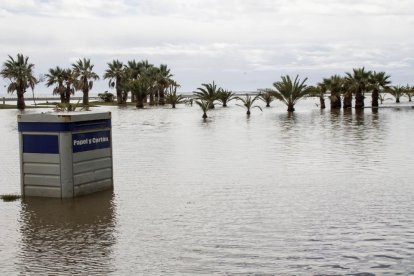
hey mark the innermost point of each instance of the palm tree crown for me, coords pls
(116, 74)
(20, 74)
(83, 72)
(56, 76)
(290, 92)
(209, 93)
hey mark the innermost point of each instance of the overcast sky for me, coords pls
(241, 44)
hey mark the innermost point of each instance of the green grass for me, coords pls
(10, 197)
(8, 106)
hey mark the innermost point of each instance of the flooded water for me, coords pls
(316, 192)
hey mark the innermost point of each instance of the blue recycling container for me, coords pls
(65, 155)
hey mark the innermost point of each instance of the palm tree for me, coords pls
(225, 96)
(20, 74)
(172, 97)
(334, 85)
(319, 91)
(70, 81)
(56, 76)
(248, 103)
(358, 84)
(82, 71)
(397, 91)
(140, 89)
(204, 105)
(116, 74)
(290, 92)
(132, 70)
(409, 91)
(379, 81)
(163, 80)
(266, 96)
(209, 92)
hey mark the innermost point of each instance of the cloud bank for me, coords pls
(241, 44)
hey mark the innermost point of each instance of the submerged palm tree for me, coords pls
(171, 96)
(379, 82)
(358, 84)
(334, 85)
(163, 81)
(209, 93)
(140, 89)
(319, 91)
(409, 92)
(20, 74)
(70, 81)
(204, 105)
(82, 71)
(116, 75)
(266, 96)
(248, 102)
(290, 92)
(225, 96)
(56, 76)
(397, 91)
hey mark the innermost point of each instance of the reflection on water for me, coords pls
(313, 192)
(71, 236)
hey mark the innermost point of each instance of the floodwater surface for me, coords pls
(314, 192)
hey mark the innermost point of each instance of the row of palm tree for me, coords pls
(141, 79)
(290, 91)
(144, 80)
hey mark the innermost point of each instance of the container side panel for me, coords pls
(45, 144)
(92, 165)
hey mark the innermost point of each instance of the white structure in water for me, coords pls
(65, 155)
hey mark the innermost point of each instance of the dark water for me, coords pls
(305, 194)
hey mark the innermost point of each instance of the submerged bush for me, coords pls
(10, 197)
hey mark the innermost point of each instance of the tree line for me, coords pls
(142, 81)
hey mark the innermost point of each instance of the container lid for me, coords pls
(61, 117)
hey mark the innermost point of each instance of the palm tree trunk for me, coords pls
(335, 101)
(205, 115)
(375, 96)
(322, 102)
(86, 97)
(162, 97)
(347, 100)
(119, 97)
(359, 100)
(20, 101)
(397, 99)
(139, 104)
(291, 107)
(67, 94)
(151, 98)
(173, 105)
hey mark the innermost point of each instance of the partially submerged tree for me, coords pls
(266, 96)
(319, 92)
(290, 92)
(83, 72)
(171, 96)
(248, 103)
(335, 86)
(204, 105)
(209, 93)
(225, 96)
(20, 74)
(358, 84)
(56, 76)
(378, 82)
(116, 75)
(397, 91)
